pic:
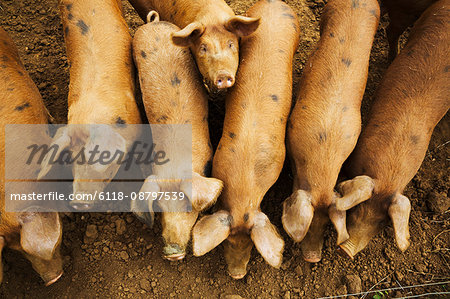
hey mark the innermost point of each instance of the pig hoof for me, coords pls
(312, 256)
(175, 257)
(54, 279)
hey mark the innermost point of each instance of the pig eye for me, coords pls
(203, 49)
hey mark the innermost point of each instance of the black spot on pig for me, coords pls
(219, 147)
(83, 26)
(246, 216)
(322, 137)
(446, 69)
(21, 107)
(274, 97)
(120, 121)
(175, 81)
(174, 2)
(345, 108)
(280, 51)
(226, 220)
(160, 119)
(69, 6)
(20, 73)
(10, 89)
(232, 150)
(415, 139)
(304, 107)
(3, 66)
(232, 135)
(346, 61)
(157, 38)
(143, 54)
(288, 15)
(355, 3)
(70, 16)
(373, 12)
(281, 119)
(207, 169)
(66, 31)
(5, 58)
(331, 34)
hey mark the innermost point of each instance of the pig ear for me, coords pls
(267, 240)
(40, 233)
(108, 140)
(354, 192)
(139, 207)
(399, 213)
(338, 218)
(203, 192)
(210, 231)
(242, 26)
(2, 244)
(61, 141)
(185, 37)
(298, 213)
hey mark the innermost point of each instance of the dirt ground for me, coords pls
(123, 257)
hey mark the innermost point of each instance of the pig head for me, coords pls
(71, 141)
(221, 226)
(215, 46)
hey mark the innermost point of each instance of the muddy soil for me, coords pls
(123, 256)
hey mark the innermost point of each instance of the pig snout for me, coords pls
(237, 250)
(223, 80)
(55, 279)
(173, 252)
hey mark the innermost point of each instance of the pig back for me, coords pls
(411, 99)
(172, 90)
(20, 103)
(251, 151)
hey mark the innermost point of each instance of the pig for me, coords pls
(326, 121)
(36, 235)
(251, 151)
(402, 14)
(172, 93)
(411, 99)
(210, 29)
(101, 90)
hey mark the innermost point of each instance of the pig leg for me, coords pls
(354, 191)
(237, 249)
(399, 213)
(313, 242)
